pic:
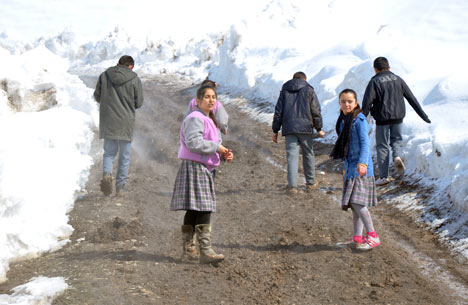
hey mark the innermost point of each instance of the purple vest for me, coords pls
(193, 105)
(210, 133)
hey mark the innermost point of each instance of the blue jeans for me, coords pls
(387, 136)
(305, 141)
(111, 148)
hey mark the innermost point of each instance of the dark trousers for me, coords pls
(194, 218)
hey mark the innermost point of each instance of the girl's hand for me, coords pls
(321, 134)
(362, 169)
(228, 156)
(222, 149)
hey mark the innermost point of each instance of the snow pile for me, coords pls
(39, 291)
(48, 119)
(335, 45)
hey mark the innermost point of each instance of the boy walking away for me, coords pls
(297, 113)
(119, 93)
(384, 100)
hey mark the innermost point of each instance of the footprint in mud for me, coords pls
(118, 229)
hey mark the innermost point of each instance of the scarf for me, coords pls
(341, 148)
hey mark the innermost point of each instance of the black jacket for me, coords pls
(384, 99)
(297, 110)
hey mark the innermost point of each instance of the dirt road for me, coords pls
(279, 249)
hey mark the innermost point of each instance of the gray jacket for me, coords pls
(119, 92)
(193, 135)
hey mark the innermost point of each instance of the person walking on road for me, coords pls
(359, 190)
(297, 113)
(119, 93)
(200, 151)
(383, 98)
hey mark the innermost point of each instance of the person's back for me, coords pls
(297, 113)
(298, 109)
(119, 93)
(384, 99)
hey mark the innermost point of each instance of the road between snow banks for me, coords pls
(279, 249)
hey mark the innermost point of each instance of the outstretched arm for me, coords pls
(414, 102)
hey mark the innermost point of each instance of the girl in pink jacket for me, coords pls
(200, 149)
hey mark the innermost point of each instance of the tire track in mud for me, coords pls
(279, 249)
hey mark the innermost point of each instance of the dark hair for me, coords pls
(208, 83)
(381, 64)
(127, 61)
(300, 75)
(357, 109)
(201, 93)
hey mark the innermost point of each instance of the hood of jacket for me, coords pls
(119, 75)
(295, 85)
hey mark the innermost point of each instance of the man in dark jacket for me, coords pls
(384, 99)
(297, 113)
(119, 92)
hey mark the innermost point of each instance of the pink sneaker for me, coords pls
(369, 243)
(351, 242)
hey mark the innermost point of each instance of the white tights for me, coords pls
(361, 218)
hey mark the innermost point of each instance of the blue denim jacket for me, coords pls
(359, 149)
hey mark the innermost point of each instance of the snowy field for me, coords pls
(49, 119)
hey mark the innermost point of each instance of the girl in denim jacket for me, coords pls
(359, 191)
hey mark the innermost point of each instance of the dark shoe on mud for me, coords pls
(119, 189)
(106, 185)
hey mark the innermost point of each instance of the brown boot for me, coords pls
(189, 250)
(207, 254)
(106, 185)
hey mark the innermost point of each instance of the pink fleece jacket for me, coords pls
(210, 133)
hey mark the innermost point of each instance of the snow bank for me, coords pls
(39, 291)
(48, 121)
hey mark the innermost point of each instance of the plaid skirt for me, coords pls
(360, 191)
(193, 188)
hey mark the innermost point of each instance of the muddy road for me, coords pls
(279, 249)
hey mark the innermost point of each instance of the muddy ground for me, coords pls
(279, 249)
